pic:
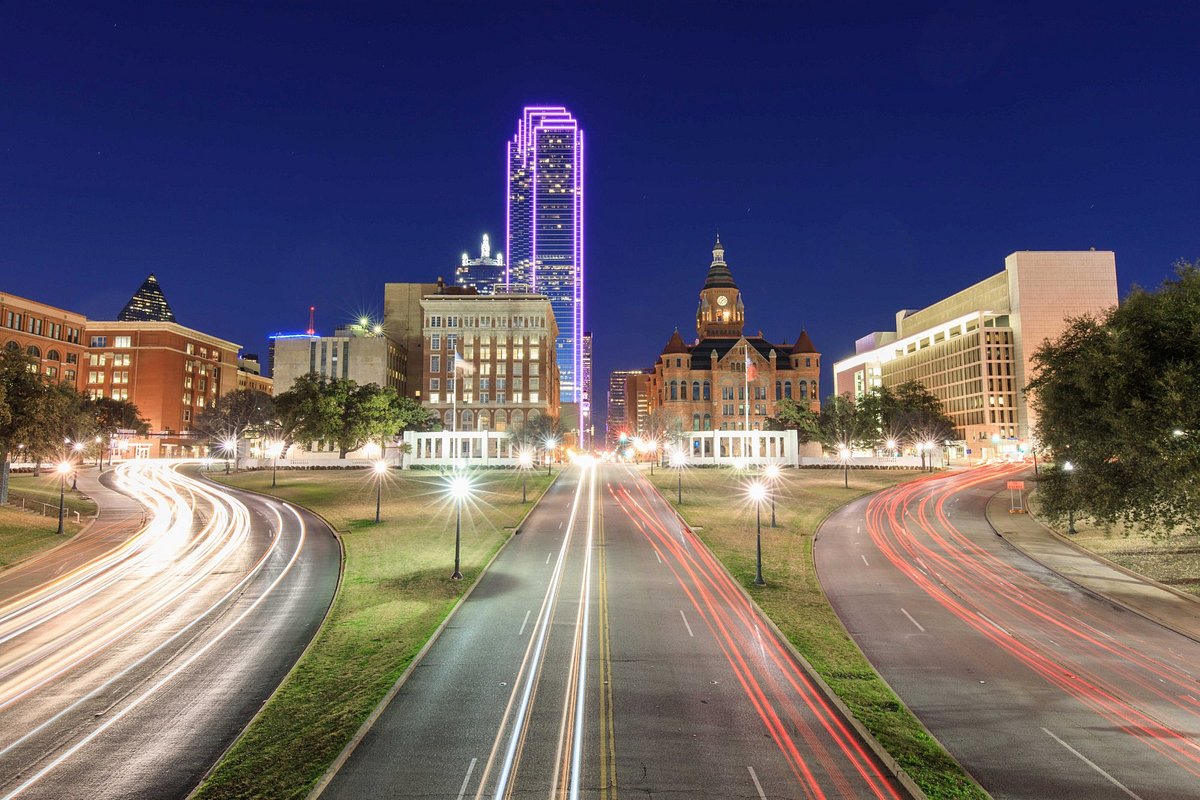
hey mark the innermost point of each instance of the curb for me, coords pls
(347, 751)
(1101, 559)
(329, 610)
(878, 749)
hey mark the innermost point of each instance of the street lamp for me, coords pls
(1069, 468)
(758, 492)
(460, 489)
(929, 448)
(63, 468)
(677, 463)
(274, 450)
(772, 473)
(550, 442)
(230, 448)
(381, 468)
(891, 445)
(78, 448)
(526, 461)
(844, 453)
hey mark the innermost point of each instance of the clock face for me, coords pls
(722, 300)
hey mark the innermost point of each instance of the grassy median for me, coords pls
(395, 591)
(794, 600)
(27, 532)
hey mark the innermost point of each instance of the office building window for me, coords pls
(98, 341)
(122, 341)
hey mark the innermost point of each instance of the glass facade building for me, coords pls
(544, 217)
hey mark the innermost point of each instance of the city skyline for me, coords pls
(988, 133)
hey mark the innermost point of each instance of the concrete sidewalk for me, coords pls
(1162, 604)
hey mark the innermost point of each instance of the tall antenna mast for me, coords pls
(312, 328)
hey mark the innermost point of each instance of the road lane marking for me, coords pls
(524, 622)
(754, 777)
(994, 625)
(548, 555)
(560, 522)
(581, 686)
(920, 627)
(1093, 765)
(656, 555)
(685, 624)
(463, 791)
(864, 558)
(761, 648)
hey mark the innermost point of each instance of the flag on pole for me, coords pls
(751, 369)
(460, 364)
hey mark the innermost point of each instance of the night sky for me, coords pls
(857, 159)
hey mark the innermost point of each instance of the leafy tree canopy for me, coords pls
(1118, 396)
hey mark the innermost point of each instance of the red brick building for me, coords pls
(726, 380)
(171, 373)
(51, 335)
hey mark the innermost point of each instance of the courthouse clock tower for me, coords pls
(721, 314)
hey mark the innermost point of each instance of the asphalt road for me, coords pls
(1040, 689)
(604, 654)
(132, 657)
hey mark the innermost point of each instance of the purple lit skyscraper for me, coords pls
(544, 206)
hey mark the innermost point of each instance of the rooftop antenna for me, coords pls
(312, 328)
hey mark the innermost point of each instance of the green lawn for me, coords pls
(712, 500)
(395, 591)
(44, 489)
(24, 533)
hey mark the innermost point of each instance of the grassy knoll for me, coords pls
(395, 591)
(794, 600)
(25, 533)
(44, 489)
(1172, 559)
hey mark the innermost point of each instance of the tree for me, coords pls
(235, 416)
(1116, 395)
(841, 425)
(535, 430)
(109, 416)
(36, 415)
(306, 411)
(791, 416)
(908, 413)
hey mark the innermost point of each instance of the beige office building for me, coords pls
(974, 349)
(359, 353)
(402, 321)
(508, 373)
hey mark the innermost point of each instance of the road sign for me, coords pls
(1016, 484)
(968, 451)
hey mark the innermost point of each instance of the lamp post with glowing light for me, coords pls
(380, 470)
(550, 443)
(844, 454)
(230, 448)
(758, 493)
(772, 473)
(677, 463)
(525, 459)
(78, 447)
(274, 450)
(63, 468)
(891, 445)
(1069, 468)
(460, 489)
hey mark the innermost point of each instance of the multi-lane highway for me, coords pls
(605, 654)
(1040, 689)
(131, 658)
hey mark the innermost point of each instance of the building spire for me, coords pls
(485, 249)
(148, 304)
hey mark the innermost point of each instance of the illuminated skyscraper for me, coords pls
(484, 273)
(544, 206)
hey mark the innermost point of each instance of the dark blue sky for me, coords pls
(856, 158)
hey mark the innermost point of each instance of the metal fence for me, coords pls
(38, 507)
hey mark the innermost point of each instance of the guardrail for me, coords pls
(47, 509)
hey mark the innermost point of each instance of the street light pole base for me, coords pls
(456, 576)
(759, 582)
